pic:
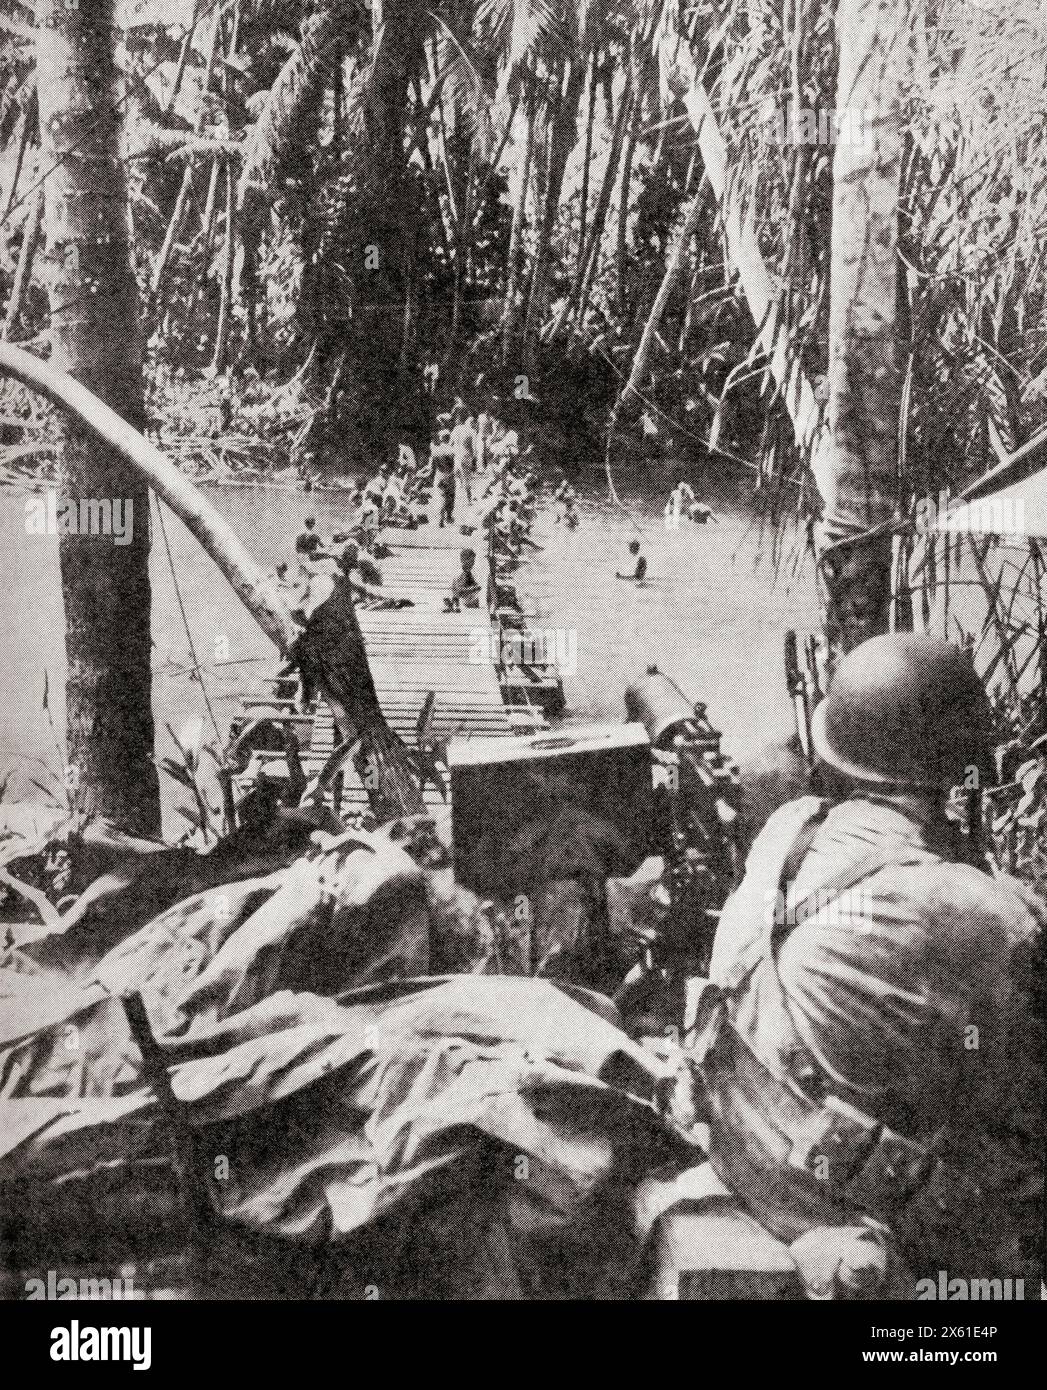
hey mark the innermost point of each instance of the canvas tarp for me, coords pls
(313, 1052)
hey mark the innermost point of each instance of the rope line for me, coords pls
(197, 663)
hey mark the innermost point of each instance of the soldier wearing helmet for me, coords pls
(855, 1014)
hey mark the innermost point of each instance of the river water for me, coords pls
(711, 614)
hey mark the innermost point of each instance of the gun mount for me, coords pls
(697, 793)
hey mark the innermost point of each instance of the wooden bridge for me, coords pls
(436, 672)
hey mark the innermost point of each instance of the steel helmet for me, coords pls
(906, 710)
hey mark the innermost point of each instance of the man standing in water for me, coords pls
(308, 544)
(640, 571)
(441, 456)
(463, 442)
(683, 502)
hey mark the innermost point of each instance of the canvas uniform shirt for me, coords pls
(879, 989)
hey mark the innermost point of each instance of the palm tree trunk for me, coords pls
(186, 188)
(338, 102)
(623, 209)
(221, 337)
(587, 158)
(207, 234)
(859, 484)
(512, 288)
(95, 332)
(183, 58)
(462, 242)
(561, 142)
(389, 217)
(743, 253)
(24, 269)
(674, 265)
(603, 203)
(25, 137)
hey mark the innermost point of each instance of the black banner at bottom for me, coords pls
(72, 1337)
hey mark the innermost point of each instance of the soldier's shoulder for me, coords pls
(969, 900)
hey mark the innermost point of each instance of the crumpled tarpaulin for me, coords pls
(314, 1054)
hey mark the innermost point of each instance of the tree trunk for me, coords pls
(337, 102)
(24, 269)
(512, 288)
(623, 208)
(674, 265)
(859, 485)
(25, 138)
(183, 58)
(744, 255)
(331, 649)
(207, 235)
(221, 337)
(587, 159)
(388, 218)
(462, 244)
(186, 187)
(592, 255)
(95, 331)
(561, 142)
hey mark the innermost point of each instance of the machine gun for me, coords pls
(697, 791)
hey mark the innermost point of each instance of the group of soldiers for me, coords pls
(478, 461)
(482, 481)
